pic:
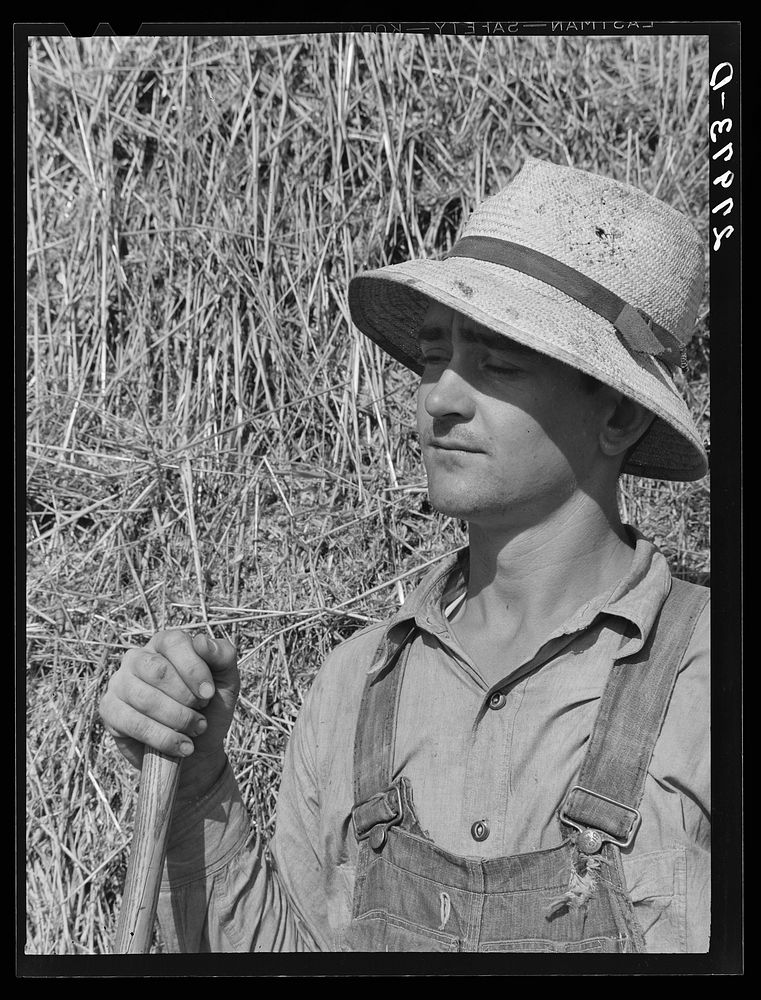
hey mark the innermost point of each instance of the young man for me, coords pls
(518, 759)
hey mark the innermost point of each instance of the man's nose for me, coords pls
(450, 395)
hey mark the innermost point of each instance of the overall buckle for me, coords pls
(376, 829)
(590, 839)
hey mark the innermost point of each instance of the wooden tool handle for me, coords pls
(158, 785)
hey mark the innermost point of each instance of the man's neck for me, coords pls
(525, 581)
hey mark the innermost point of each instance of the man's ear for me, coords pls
(626, 422)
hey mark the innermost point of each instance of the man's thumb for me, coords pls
(219, 654)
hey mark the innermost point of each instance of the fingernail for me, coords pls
(212, 644)
(201, 725)
(206, 690)
(186, 748)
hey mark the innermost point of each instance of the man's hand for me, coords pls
(176, 695)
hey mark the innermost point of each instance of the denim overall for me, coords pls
(410, 895)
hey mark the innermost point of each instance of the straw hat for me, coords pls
(587, 270)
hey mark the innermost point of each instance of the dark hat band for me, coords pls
(638, 331)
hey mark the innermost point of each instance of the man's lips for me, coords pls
(453, 446)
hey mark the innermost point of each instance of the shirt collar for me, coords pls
(636, 599)
(639, 596)
(423, 607)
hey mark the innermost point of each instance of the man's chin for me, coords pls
(470, 505)
(443, 502)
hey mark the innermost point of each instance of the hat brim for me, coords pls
(388, 306)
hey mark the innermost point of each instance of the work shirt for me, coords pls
(482, 759)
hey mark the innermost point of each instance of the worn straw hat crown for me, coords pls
(588, 270)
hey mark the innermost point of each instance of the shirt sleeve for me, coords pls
(310, 873)
(670, 880)
(224, 889)
(220, 891)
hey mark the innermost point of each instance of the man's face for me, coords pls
(507, 434)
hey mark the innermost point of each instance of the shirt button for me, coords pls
(497, 701)
(479, 830)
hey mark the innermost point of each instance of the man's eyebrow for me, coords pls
(483, 337)
(495, 341)
(429, 334)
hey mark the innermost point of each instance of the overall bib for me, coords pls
(411, 895)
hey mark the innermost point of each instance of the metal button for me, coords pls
(589, 841)
(497, 701)
(377, 837)
(479, 830)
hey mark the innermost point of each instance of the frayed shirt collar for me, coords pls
(637, 599)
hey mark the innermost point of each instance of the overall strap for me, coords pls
(633, 706)
(375, 800)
